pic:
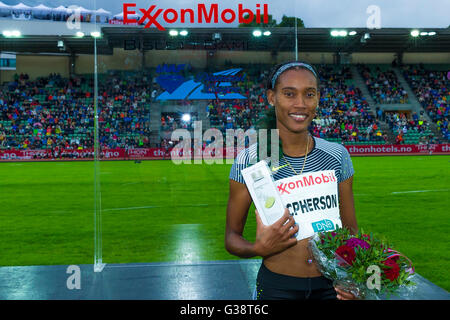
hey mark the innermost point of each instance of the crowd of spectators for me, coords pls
(243, 114)
(57, 113)
(398, 121)
(384, 86)
(402, 126)
(432, 89)
(343, 114)
(54, 112)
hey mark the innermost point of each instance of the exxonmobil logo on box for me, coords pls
(305, 180)
(203, 13)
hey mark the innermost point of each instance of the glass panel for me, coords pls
(46, 129)
(160, 83)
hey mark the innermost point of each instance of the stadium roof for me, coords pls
(396, 40)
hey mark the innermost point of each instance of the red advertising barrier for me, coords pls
(207, 153)
(404, 149)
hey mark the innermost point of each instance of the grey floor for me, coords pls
(214, 280)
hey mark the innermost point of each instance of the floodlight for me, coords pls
(334, 33)
(415, 33)
(186, 117)
(11, 33)
(257, 33)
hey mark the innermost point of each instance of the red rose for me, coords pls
(393, 270)
(346, 253)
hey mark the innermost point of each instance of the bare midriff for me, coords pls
(293, 262)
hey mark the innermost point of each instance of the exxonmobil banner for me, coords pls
(207, 153)
(202, 13)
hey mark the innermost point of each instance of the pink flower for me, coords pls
(355, 242)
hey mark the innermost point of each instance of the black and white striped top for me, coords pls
(324, 156)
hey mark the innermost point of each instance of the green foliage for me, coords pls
(287, 22)
(290, 22)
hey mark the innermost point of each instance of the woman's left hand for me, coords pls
(344, 295)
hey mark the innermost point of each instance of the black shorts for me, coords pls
(275, 286)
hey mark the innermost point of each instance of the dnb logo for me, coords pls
(323, 225)
(203, 86)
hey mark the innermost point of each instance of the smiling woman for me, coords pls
(287, 271)
(294, 90)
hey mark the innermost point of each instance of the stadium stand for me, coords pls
(345, 115)
(56, 113)
(432, 87)
(233, 114)
(383, 84)
(53, 112)
(411, 130)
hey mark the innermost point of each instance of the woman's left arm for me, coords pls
(347, 205)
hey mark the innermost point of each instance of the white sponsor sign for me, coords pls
(313, 201)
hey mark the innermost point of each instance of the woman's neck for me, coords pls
(294, 144)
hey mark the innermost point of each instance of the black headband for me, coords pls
(290, 65)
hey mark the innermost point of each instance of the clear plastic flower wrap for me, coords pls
(363, 265)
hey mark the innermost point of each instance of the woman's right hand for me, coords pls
(276, 237)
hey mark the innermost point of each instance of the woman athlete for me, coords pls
(287, 271)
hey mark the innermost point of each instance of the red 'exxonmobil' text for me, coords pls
(202, 14)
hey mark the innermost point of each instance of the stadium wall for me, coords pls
(429, 57)
(265, 57)
(41, 65)
(119, 60)
(38, 66)
(197, 58)
(367, 57)
(132, 60)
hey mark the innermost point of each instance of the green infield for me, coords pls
(156, 211)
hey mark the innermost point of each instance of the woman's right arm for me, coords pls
(239, 202)
(269, 239)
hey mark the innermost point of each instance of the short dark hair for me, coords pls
(274, 70)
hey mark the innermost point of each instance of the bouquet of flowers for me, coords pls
(362, 264)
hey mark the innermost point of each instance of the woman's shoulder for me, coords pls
(244, 158)
(332, 148)
(340, 154)
(247, 155)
